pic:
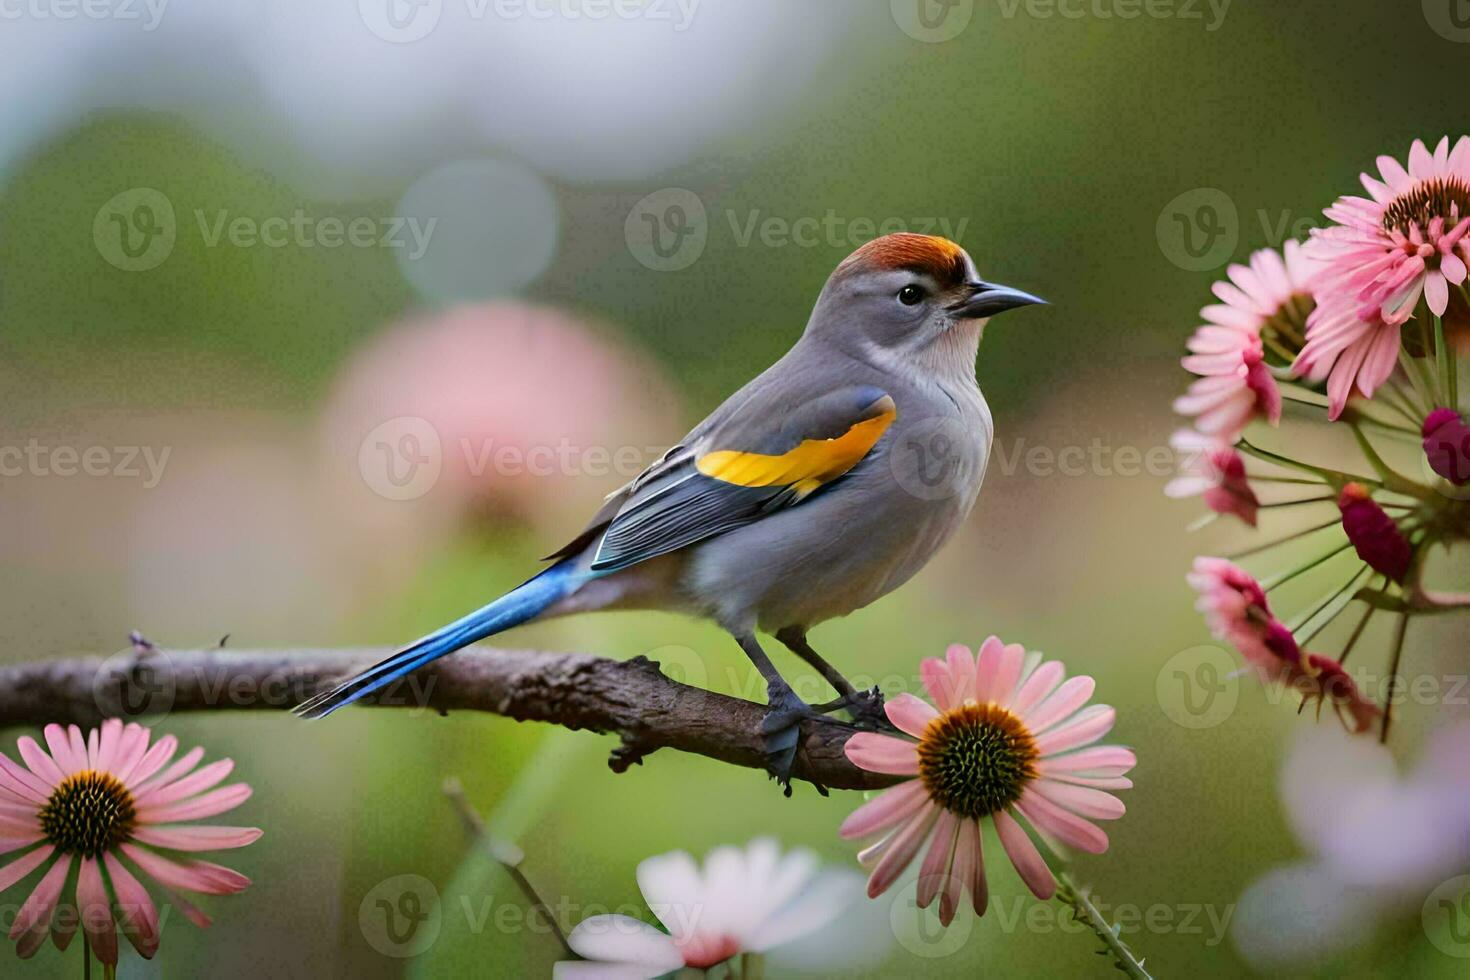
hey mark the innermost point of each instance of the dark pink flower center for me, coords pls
(703, 951)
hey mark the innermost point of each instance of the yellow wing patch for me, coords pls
(809, 464)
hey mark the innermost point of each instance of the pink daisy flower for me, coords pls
(743, 900)
(1263, 308)
(1351, 348)
(1006, 737)
(1235, 608)
(1406, 239)
(103, 805)
(1214, 471)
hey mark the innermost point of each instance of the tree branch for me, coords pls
(578, 691)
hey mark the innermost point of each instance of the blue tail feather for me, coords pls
(520, 605)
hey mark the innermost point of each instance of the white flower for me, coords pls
(1380, 842)
(744, 900)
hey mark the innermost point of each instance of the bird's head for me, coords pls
(910, 293)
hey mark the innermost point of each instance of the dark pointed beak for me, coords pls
(988, 299)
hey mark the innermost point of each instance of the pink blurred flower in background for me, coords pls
(1260, 310)
(1379, 841)
(91, 802)
(1407, 239)
(1214, 471)
(508, 408)
(743, 900)
(1008, 738)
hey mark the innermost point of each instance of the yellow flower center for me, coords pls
(976, 759)
(88, 814)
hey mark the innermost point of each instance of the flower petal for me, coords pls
(1038, 684)
(979, 887)
(22, 866)
(1063, 702)
(961, 870)
(196, 782)
(910, 714)
(200, 837)
(135, 910)
(624, 939)
(210, 804)
(21, 782)
(1081, 800)
(883, 753)
(181, 766)
(34, 916)
(59, 742)
(38, 762)
(1099, 760)
(195, 876)
(1066, 827)
(987, 670)
(672, 889)
(934, 870)
(96, 912)
(153, 760)
(1089, 725)
(888, 809)
(901, 848)
(1024, 856)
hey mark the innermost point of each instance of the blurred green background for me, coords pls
(1062, 146)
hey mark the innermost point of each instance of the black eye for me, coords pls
(910, 295)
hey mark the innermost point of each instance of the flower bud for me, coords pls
(1374, 535)
(1447, 445)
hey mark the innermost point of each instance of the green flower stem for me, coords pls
(1389, 478)
(1444, 359)
(508, 857)
(1413, 371)
(1334, 477)
(1074, 897)
(752, 966)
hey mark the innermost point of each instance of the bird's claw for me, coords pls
(865, 708)
(782, 734)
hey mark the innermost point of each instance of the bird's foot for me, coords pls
(865, 708)
(781, 729)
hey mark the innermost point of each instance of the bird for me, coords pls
(822, 485)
